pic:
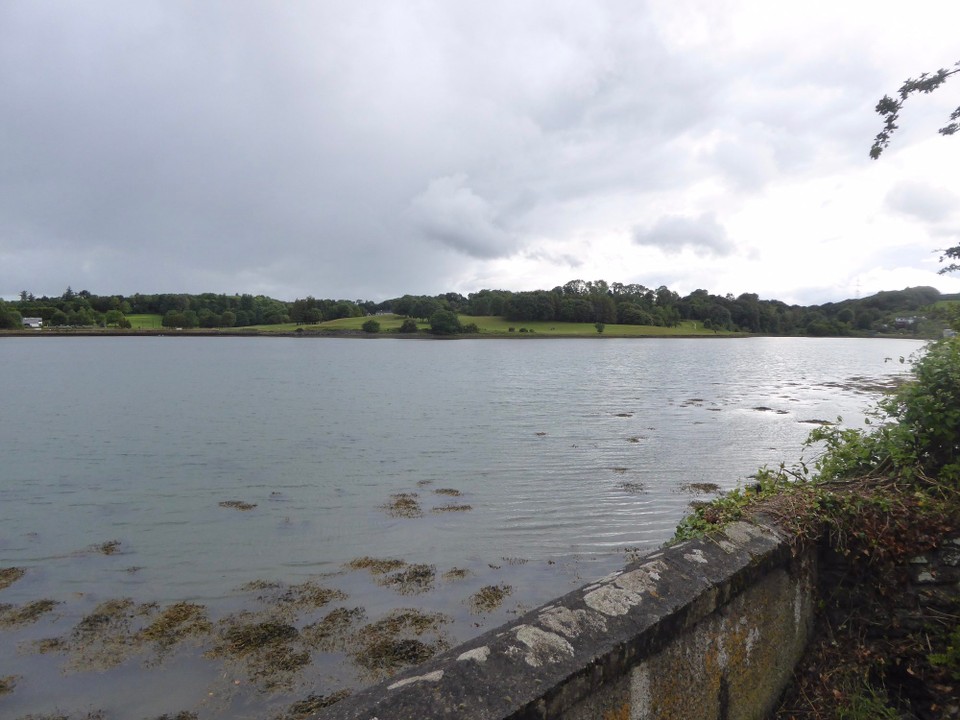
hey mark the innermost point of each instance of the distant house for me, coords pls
(907, 322)
(33, 322)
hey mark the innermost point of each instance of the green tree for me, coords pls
(444, 322)
(228, 319)
(600, 327)
(408, 326)
(632, 314)
(371, 326)
(10, 319)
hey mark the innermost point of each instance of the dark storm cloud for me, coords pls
(170, 145)
(371, 149)
(675, 233)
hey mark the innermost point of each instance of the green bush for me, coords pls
(444, 322)
(408, 326)
(371, 326)
(919, 434)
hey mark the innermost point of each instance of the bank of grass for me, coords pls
(488, 325)
(145, 321)
(493, 326)
(874, 499)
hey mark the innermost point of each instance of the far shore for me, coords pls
(423, 335)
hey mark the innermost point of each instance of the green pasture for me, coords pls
(145, 321)
(493, 325)
(490, 325)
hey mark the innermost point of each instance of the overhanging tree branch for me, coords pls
(889, 108)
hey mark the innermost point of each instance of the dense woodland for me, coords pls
(917, 311)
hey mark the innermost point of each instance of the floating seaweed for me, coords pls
(111, 547)
(700, 488)
(452, 508)
(455, 573)
(333, 632)
(312, 704)
(174, 624)
(635, 488)
(412, 580)
(9, 575)
(310, 595)
(385, 646)
(488, 598)
(7, 684)
(376, 566)
(260, 585)
(14, 616)
(452, 492)
(265, 648)
(237, 505)
(403, 505)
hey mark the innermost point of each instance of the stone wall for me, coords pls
(710, 628)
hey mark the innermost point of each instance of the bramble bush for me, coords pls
(919, 433)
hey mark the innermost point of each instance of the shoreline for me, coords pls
(359, 334)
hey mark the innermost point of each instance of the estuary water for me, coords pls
(239, 475)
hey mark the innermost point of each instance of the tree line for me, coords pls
(914, 310)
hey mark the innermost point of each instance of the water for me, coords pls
(568, 452)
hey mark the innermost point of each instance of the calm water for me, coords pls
(568, 452)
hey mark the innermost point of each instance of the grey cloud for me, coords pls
(674, 233)
(922, 201)
(449, 211)
(324, 148)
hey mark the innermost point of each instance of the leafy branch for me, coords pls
(889, 108)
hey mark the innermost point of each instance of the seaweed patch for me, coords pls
(9, 575)
(7, 684)
(15, 616)
(237, 505)
(376, 566)
(403, 505)
(412, 580)
(397, 641)
(333, 633)
(312, 704)
(488, 598)
(700, 488)
(452, 508)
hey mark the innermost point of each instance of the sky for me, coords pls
(368, 149)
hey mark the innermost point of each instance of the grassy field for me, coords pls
(489, 326)
(145, 321)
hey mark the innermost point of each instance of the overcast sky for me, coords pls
(364, 149)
